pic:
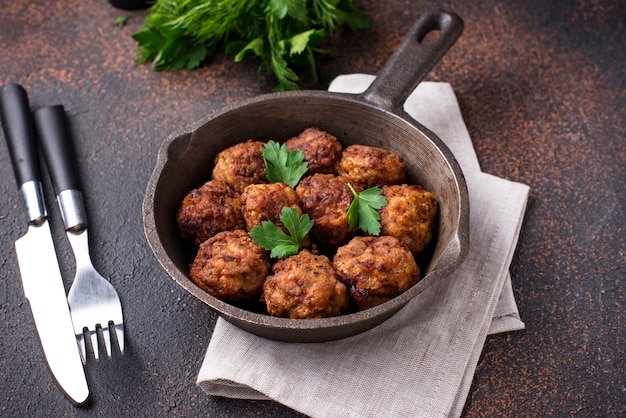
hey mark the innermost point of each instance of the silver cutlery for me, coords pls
(36, 255)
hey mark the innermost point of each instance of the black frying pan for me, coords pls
(375, 118)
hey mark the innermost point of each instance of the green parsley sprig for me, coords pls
(283, 34)
(364, 209)
(121, 21)
(280, 244)
(282, 165)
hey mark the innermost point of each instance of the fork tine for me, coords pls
(80, 339)
(119, 333)
(93, 335)
(107, 340)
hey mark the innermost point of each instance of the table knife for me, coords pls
(36, 255)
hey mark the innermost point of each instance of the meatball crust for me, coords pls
(264, 202)
(322, 151)
(366, 166)
(375, 269)
(210, 209)
(230, 266)
(304, 286)
(409, 215)
(327, 198)
(241, 165)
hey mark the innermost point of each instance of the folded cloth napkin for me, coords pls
(420, 362)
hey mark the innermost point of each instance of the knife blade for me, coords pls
(36, 255)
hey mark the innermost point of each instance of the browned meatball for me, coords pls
(304, 286)
(375, 269)
(241, 165)
(264, 202)
(230, 266)
(326, 198)
(210, 209)
(366, 166)
(322, 151)
(410, 215)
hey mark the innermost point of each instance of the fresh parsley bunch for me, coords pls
(284, 34)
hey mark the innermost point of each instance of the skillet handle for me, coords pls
(413, 59)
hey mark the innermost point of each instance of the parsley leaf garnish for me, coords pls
(271, 237)
(282, 165)
(121, 21)
(363, 209)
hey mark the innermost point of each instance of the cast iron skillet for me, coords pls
(375, 118)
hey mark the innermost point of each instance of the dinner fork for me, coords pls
(94, 303)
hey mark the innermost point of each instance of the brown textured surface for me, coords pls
(542, 89)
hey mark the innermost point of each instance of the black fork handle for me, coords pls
(54, 135)
(58, 150)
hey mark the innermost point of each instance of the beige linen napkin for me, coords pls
(419, 363)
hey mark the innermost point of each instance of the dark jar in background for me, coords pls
(131, 4)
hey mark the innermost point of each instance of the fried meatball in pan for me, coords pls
(264, 202)
(322, 151)
(409, 215)
(304, 286)
(210, 209)
(366, 167)
(241, 165)
(230, 266)
(327, 198)
(375, 269)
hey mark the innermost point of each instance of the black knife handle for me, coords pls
(19, 131)
(54, 137)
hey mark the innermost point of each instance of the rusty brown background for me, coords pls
(542, 88)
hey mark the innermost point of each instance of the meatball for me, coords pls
(375, 269)
(264, 202)
(327, 198)
(241, 165)
(410, 215)
(366, 166)
(210, 209)
(322, 151)
(304, 286)
(230, 266)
